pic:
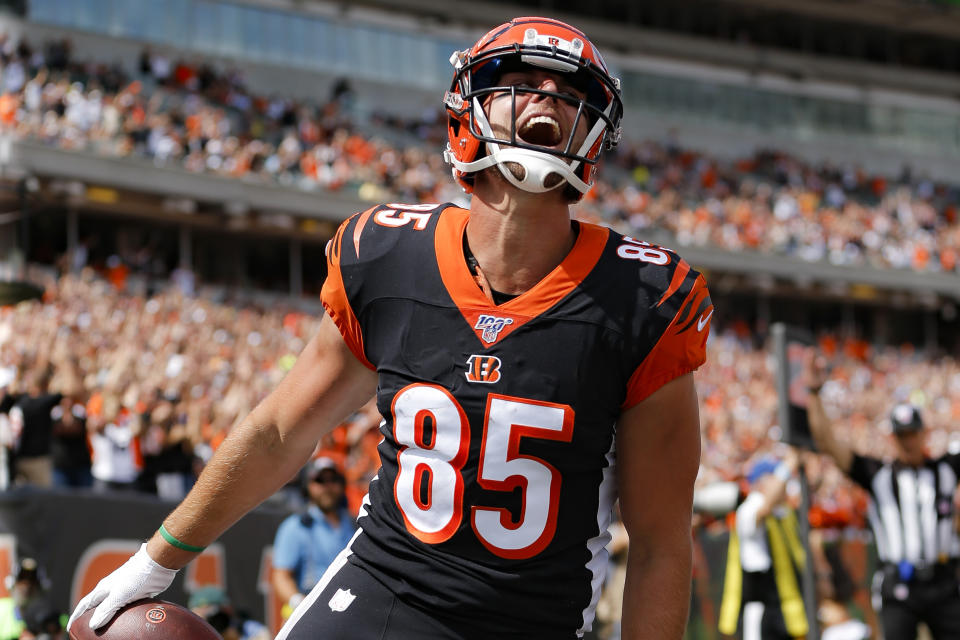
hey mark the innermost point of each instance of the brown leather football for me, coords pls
(147, 619)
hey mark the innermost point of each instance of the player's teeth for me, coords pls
(542, 120)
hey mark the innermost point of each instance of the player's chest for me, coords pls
(555, 357)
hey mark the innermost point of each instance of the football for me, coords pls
(150, 618)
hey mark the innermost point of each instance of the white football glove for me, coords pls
(139, 577)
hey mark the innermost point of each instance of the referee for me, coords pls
(911, 512)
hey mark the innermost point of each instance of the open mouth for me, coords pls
(543, 131)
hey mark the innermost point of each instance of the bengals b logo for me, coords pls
(484, 369)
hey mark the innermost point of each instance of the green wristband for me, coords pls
(166, 535)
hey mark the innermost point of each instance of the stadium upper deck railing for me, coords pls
(19, 158)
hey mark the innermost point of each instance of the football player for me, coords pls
(531, 369)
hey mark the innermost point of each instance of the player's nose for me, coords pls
(547, 83)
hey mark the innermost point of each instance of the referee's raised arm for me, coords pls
(821, 427)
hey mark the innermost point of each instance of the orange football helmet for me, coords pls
(547, 44)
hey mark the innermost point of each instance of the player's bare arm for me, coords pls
(821, 427)
(271, 444)
(658, 454)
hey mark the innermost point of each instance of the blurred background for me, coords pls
(170, 172)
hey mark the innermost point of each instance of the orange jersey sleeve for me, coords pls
(333, 295)
(681, 348)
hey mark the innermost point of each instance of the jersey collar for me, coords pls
(491, 323)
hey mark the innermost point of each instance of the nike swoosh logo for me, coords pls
(702, 322)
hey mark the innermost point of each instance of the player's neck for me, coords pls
(518, 242)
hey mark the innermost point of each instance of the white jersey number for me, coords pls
(643, 251)
(403, 214)
(429, 484)
(418, 409)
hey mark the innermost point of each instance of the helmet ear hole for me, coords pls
(455, 126)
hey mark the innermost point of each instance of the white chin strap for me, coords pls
(537, 165)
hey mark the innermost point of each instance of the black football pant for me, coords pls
(374, 613)
(935, 603)
(353, 605)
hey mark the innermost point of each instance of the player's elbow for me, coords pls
(668, 540)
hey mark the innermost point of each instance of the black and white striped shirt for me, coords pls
(911, 508)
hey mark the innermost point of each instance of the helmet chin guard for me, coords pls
(537, 167)
(537, 43)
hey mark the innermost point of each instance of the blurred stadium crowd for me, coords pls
(156, 384)
(192, 116)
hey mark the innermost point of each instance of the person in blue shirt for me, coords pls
(306, 543)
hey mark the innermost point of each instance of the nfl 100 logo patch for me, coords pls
(491, 326)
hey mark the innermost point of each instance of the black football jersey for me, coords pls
(497, 481)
